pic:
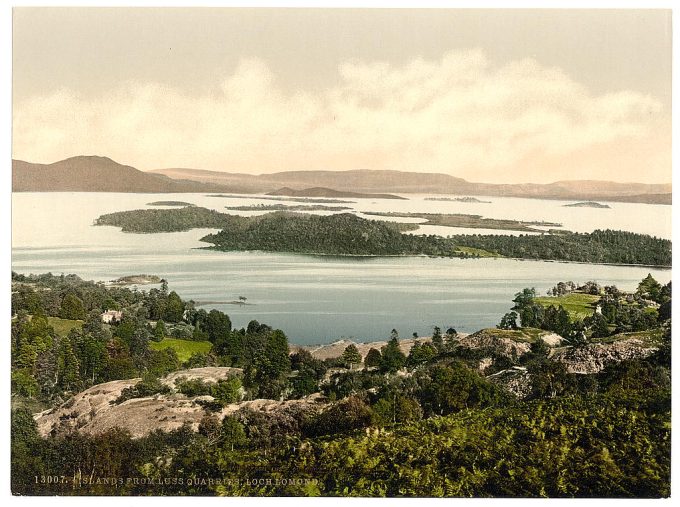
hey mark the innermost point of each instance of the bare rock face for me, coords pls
(596, 357)
(92, 412)
(487, 339)
(516, 380)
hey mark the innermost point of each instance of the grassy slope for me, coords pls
(184, 348)
(63, 326)
(578, 305)
(651, 337)
(525, 334)
(476, 251)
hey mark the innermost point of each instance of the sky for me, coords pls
(486, 95)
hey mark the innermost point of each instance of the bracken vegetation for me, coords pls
(436, 421)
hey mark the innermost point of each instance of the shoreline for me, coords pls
(371, 256)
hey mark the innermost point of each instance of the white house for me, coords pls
(112, 315)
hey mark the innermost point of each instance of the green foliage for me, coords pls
(347, 234)
(72, 308)
(162, 362)
(392, 358)
(159, 331)
(148, 386)
(451, 388)
(396, 409)
(616, 247)
(351, 355)
(169, 220)
(185, 349)
(437, 339)
(226, 391)
(218, 326)
(24, 384)
(421, 353)
(579, 305)
(192, 387)
(373, 358)
(649, 288)
(347, 415)
(174, 308)
(509, 321)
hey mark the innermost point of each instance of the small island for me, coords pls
(471, 200)
(469, 221)
(286, 207)
(329, 192)
(124, 281)
(169, 203)
(586, 204)
(288, 199)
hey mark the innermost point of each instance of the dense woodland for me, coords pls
(347, 234)
(426, 423)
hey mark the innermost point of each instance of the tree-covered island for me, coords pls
(348, 234)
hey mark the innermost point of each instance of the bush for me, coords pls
(148, 386)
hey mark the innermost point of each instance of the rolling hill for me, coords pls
(97, 174)
(101, 174)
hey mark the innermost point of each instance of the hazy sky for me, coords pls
(487, 95)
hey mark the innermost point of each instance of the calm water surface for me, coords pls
(317, 299)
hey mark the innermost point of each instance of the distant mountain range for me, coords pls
(101, 174)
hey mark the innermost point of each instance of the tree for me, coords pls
(344, 416)
(72, 308)
(450, 339)
(92, 358)
(420, 354)
(508, 321)
(233, 433)
(392, 358)
(598, 326)
(524, 298)
(226, 391)
(351, 355)
(649, 288)
(373, 358)
(269, 367)
(68, 372)
(447, 389)
(174, 308)
(159, 331)
(217, 325)
(437, 339)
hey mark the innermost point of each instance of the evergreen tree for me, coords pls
(174, 308)
(437, 340)
(72, 308)
(351, 355)
(159, 331)
(392, 358)
(373, 358)
(68, 367)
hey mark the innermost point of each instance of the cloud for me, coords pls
(461, 115)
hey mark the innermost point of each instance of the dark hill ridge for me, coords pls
(372, 181)
(329, 192)
(96, 174)
(101, 174)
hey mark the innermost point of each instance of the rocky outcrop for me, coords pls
(516, 380)
(496, 341)
(92, 412)
(594, 358)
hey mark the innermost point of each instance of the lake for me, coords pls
(319, 299)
